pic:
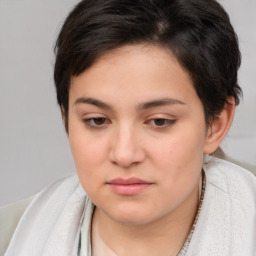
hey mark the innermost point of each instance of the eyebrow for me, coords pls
(159, 103)
(94, 102)
(142, 106)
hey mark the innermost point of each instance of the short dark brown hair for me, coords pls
(197, 32)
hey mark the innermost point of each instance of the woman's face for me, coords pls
(137, 133)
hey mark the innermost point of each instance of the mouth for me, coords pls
(128, 187)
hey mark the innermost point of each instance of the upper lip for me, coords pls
(128, 181)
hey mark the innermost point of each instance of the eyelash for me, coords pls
(165, 122)
(90, 122)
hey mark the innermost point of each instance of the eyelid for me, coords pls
(88, 122)
(168, 122)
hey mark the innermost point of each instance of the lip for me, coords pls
(129, 187)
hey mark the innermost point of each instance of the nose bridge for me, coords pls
(126, 137)
(126, 149)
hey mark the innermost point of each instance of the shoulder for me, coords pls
(233, 180)
(12, 214)
(226, 224)
(219, 153)
(9, 218)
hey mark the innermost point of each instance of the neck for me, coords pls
(164, 236)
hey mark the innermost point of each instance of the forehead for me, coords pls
(141, 71)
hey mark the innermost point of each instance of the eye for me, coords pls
(162, 122)
(96, 121)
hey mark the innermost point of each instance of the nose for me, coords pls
(127, 148)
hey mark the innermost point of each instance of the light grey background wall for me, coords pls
(34, 148)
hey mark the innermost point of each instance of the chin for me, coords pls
(131, 217)
(132, 220)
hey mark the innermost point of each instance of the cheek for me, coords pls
(180, 157)
(179, 163)
(178, 149)
(85, 153)
(89, 153)
(85, 146)
(89, 159)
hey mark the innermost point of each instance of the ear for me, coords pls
(220, 127)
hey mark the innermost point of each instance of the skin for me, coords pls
(135, 113)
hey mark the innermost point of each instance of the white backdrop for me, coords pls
(34, 149)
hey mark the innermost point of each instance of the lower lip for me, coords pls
(129, 189)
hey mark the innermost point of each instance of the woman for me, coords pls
(147, 91)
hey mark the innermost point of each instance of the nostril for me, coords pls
(125, 165)
(114, 163)
(127, 160)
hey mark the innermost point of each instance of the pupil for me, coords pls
(159, 122)
(99, 121)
